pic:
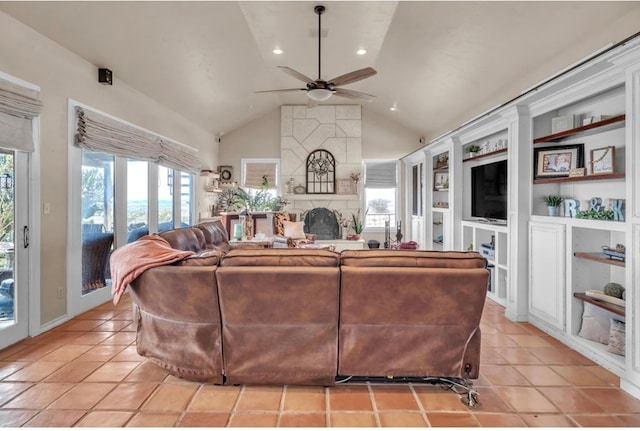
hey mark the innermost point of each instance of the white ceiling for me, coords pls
(440, 63)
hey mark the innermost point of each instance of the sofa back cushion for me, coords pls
(215, 235)
(186, 238)
(202, 258)
(281, 257)
(413, 258)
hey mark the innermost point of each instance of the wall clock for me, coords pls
(226, 173)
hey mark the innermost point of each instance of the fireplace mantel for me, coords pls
(321, 197)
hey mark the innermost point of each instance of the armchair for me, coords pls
(96, 250)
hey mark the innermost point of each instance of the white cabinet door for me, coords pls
(547, 273)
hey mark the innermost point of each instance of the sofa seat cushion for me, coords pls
(413, 258)
(281, 257)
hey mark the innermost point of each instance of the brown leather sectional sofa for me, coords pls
(299, 316)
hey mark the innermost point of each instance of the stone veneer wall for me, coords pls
(335, 128)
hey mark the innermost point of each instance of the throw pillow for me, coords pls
(616, 337)
(293, 229)
(279, 219)
(595, 324)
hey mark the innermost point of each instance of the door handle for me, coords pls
(25, 233)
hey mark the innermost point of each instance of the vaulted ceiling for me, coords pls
(439, 63)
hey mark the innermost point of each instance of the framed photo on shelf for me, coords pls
(344, 187)
(441, 181)
(555, 162)
(603, 160)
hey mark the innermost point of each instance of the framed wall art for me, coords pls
(441, 181)
(554, 162)
(344, 187)
(603, 160)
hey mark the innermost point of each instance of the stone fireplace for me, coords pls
(335, 128)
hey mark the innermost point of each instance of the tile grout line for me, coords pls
(185, 410)
(233, 411)
(416, 398)
(281, 405)
(374, 406)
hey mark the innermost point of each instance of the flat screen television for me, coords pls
(489, 191)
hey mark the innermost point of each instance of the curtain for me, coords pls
(254, 172)
(18, 106)
(103, 134)
(380, 174)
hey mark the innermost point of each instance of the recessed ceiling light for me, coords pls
(393, 108)
(277, 51)
(361, 51)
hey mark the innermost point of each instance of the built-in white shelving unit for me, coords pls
(541, 265)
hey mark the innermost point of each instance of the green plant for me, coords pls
(473, 148)
(552, 200)
(595, 215)
(261, 200)
(357, 222)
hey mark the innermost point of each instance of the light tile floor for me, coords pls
(86, 372)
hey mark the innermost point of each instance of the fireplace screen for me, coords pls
(323, 222)
(321, 172)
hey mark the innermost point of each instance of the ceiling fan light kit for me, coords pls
(319, 94)
(319, 90)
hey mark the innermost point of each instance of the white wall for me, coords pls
(257, 139)
(61, 76)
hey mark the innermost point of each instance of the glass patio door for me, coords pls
(14, 242)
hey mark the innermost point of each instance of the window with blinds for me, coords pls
(380, 191)
(260, 174)
(18, 106)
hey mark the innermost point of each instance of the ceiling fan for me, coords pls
(319, 90)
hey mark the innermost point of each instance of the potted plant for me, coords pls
(472, 150)
(356, 222)
(442, 161)
(553, 204)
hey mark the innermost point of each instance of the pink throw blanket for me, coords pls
(131, 260)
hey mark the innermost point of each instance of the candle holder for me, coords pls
(237, 230)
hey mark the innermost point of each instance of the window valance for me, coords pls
(103, 134)
(254, 173)
(19, 105)
(380, 174)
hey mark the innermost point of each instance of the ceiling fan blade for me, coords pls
(281, 90)
(354, 76)
(352, 94)
(296, 74)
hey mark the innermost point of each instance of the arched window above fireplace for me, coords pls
(321, 172)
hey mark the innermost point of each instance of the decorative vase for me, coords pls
(553, 211)
(344, 233)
